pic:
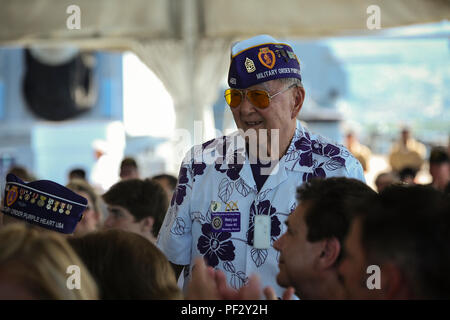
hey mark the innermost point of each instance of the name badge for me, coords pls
(226, 221)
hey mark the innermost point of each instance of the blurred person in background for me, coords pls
(127, 266)
(385, 179)
(136, 205)
(407, 176)
(77, 173)
(407, 153)
(404, 231)
(22, 173)
(129, 169)
(92, 216)
(168, 182)
(34, 265)
(440, 168)
(359, 151)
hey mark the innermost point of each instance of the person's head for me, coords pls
(93, 214)
(350, 138)
(403, 231)
(384, 180)
(129, 169)
(439, 167)
(405, 135)
(77, 173)
(168, 182)
(407, 175)
(34, 264)
(311, 248)
(22, 173)
(266, 91)
(127, 266)
(136, 205)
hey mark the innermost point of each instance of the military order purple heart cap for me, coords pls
(260, 59)
(44, 203)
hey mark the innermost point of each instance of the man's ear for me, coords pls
(147, 224)
(330, 252)
(393, 283)
(299, 97)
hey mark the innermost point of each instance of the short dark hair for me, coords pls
(407, 172)
(439, 155)
(409, 226)
(170, 179)
(126, 265)
(327, 200)
(77, 173)
(128, 162)
(142, 198)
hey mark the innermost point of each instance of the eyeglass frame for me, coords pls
(244, 92)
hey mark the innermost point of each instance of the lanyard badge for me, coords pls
(261, 238)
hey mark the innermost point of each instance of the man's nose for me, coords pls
(277, 243)
(246, 107)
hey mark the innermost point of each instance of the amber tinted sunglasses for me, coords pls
(258, 98)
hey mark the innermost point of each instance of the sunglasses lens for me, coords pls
(233, 97)
(258, 98)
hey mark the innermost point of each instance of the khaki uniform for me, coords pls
(412, 155)
(362, 153)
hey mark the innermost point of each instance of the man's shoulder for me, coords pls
(325, 148)
(322, 155)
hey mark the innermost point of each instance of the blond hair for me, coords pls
(37, 260)
(79, 185)
(127, 266)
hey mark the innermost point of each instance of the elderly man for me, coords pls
(231, 210)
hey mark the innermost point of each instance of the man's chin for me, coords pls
(282, 281)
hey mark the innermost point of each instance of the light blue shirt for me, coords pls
(205, 188)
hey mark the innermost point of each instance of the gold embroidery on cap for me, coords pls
(266, 57)
(12, 195)
(250, 65)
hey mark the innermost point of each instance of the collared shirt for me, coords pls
(205, 188)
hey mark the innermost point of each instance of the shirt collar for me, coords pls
(300, 142)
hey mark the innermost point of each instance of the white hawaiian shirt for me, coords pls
(228, 186)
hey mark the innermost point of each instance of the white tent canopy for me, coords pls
(186, 42)
(144, 20)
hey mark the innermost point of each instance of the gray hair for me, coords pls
(290, 81)
(286, 82)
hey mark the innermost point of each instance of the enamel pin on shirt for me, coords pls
(228, 220)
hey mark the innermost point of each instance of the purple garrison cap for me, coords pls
(44, 203)
(260, 59)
